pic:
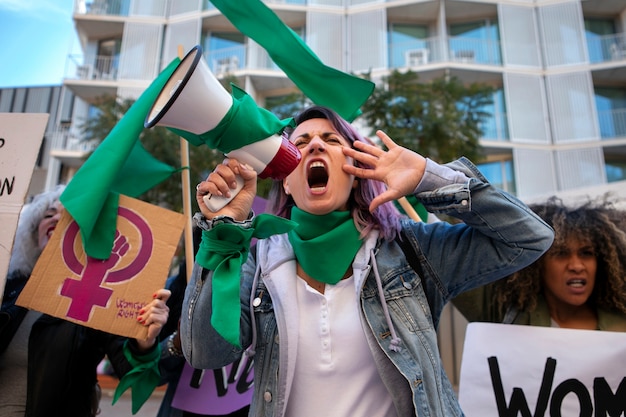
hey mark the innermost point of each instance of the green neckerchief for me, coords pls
(325, 245)
(223, 249)
(143, 378)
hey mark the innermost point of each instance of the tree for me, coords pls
(440, 119)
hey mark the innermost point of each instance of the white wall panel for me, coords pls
(580, 167)
(519, 36)
(38, 100)
(526, 108)
(148, 8)
(129, 93)
(563, 34)
(325, 2)
(324, 35)
(534, 172)
(185, 34)
(367, 40)
(572, 107)
(140, 51)
(184, 6)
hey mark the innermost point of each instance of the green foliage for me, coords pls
(440, 119)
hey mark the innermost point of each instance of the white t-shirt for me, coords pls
(335, 373)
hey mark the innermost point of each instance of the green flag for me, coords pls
(325, 86)
(92, 196)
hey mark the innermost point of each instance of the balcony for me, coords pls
(69, 148)
(607, 48)
(434, 50)
(102, 7)
(612, 124)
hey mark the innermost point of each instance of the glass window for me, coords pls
(225, 51)
(599, 38)
(408, 45)
(107, 61)
(611, 108)
(496, 127)
(475, 42)
(499, 174)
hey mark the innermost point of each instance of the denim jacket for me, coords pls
(499, 235)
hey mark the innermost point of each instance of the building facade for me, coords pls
(558, 123)
(558, 120)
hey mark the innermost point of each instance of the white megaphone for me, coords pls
(192, 100)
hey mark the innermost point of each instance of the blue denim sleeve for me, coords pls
(496, 235)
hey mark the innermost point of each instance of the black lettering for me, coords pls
(196, 378)
(2, 142)
(607, 403)
(576, 387)
(518, 404)
(247, 377)
(220, 381)
(6, 185)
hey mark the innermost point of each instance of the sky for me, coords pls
(36, 38)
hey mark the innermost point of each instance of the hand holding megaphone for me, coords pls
(194, 103)
(231, 181)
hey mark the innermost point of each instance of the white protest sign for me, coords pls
(20, 139)
(526, 371)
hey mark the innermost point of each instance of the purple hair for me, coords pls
(385, 218)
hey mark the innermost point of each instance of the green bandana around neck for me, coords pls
(324, 245)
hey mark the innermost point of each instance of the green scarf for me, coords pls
(223, 249)
(325, 245)
(143, 378)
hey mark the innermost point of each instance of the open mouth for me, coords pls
(317, 176)
(577, 283)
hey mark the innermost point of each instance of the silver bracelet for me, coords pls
(207, 224)
(171, 347)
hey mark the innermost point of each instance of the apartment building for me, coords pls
(558, 123)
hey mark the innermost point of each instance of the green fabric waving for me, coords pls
(223, 250)
(324, 85)
(142, 379)
(92, 196)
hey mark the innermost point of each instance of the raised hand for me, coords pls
(399, 168)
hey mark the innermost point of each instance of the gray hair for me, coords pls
(26, 249)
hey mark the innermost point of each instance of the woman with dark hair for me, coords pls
(340, 304)
(579, 283)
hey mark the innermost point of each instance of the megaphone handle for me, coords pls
(216, 203)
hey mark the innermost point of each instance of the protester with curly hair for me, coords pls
(579, 283)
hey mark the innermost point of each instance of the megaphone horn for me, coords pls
(193, 100)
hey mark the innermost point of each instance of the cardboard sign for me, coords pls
(510, 370)
(106, 294)
(20, 139)
(215, 391)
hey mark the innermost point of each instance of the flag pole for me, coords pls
(186, 181)
(408, 209)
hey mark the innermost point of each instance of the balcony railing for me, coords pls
(606, 48)
(452, 49)
(496, 128)
(96, 68)
(66, 139)
(612, 123)
(102, 7)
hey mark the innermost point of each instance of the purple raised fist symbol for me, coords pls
(89, 290)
